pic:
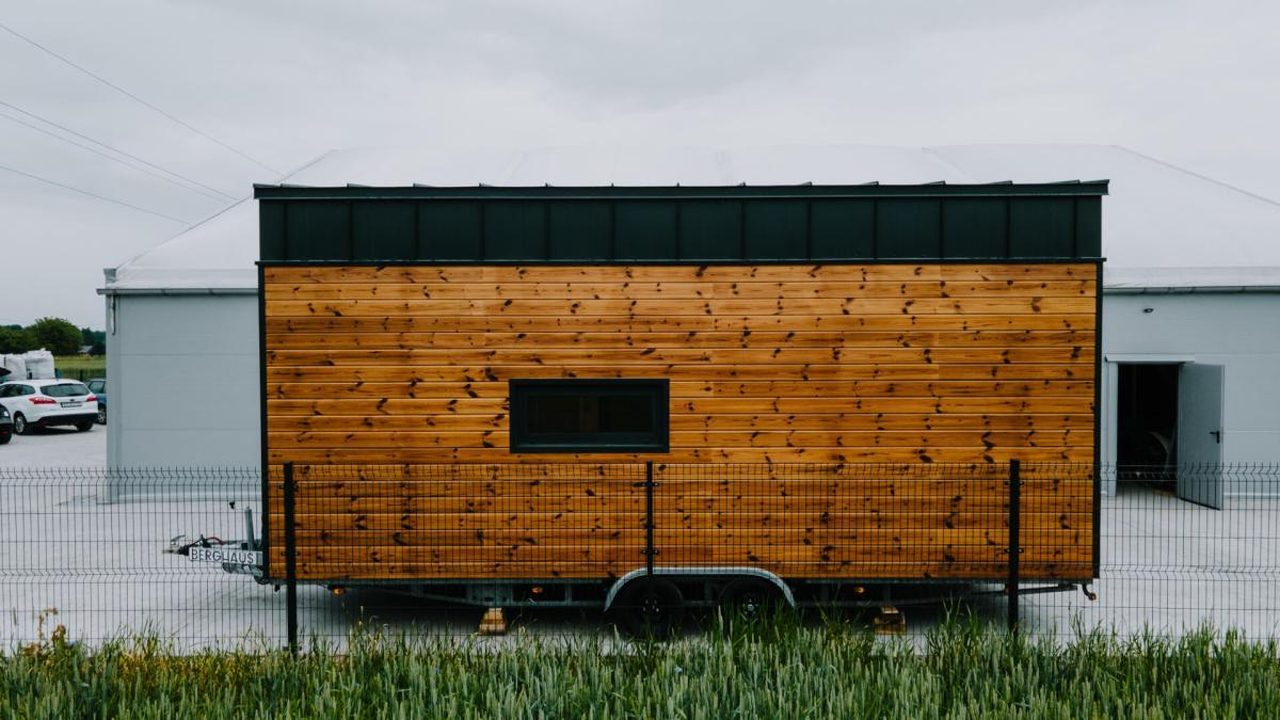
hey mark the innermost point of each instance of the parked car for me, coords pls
(46, 403)
(98, 386)
(6, 425)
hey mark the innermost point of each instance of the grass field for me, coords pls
(787, 672)
(81, 362)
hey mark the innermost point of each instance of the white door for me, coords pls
(1200, 434)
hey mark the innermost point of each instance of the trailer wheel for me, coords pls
(650, 607)
(750, 599)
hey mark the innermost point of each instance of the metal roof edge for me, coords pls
(1067, 188)
(109, 291)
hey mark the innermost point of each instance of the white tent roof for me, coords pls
(1162, 228)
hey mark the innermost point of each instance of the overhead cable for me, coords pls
(137, 99)
(209, 193)
(104, 198)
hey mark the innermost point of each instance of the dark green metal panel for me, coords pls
(975, 228)
(777, 229)
(711, 230)
(1088, 226)
(271, 230)
(645, 230)
(318, 230)
(1042, 226)
(704, 224)
(842, 229)
(383, 230)
(515, 230)
(908, 228)
(450, 230)
(580, 231)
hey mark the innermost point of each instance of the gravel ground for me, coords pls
(56, 446)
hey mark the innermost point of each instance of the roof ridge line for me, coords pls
(938, 156)
(1199, 176)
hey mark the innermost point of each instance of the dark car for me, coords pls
(98, 386)
(6, 425)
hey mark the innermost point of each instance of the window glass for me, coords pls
(66, 390)
(589, 415)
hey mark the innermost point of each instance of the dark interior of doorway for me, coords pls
(1147, 423)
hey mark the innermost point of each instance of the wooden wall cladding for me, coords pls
(777, 363)
(770, 365)
(587, 521)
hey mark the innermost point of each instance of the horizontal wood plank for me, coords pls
(677, 308)
(276, 324)
(840, 273)
(856, 422)
(621, 338)
(718, 373)
(532, 289)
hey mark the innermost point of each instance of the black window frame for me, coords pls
(522, 440)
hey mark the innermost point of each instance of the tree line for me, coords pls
(56, 335)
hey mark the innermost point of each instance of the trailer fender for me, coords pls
(699, 572)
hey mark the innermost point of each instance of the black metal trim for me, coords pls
(1097, 426)
(675, 262)
(658, 389)
(262, 420)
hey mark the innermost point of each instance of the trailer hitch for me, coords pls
(1084, 588)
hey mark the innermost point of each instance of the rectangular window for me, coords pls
(596, 416)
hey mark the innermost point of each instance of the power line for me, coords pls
(64, 186)
(114, 149)
(137, 99)
(215, 194)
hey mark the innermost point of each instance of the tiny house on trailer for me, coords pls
(487, 392)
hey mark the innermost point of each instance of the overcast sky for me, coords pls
(1192, 83)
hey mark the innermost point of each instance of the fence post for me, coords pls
(290, 561)
(649, 549)
(1015, 541)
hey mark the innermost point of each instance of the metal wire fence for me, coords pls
(223, 557)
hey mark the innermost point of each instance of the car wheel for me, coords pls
(102, 415)
(20, 423)
(5, 437)
(85, 426)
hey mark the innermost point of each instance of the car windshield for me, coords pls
(65, 390)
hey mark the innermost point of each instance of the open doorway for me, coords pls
(1147, 424)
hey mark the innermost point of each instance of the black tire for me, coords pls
(20, 424)
(85, 426)
(651, 608)
(102, 415)
(750, 599)
(5, 437)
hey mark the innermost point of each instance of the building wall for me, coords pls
(1240, 331)
(369, 368)
(782, 363)
(182, 376)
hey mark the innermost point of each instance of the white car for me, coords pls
(45, 403)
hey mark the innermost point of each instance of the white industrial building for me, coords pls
(1191, 310)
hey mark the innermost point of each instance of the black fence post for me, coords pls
(649, 549)
(290, 561)
(1015, 541)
